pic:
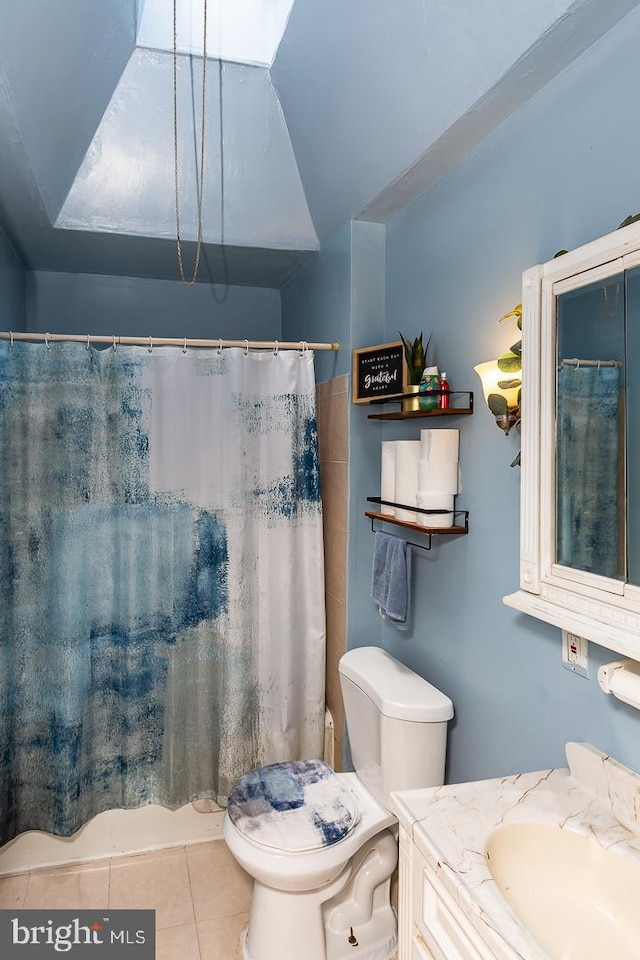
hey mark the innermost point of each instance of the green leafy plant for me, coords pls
(632, 218)
(416, 356)
(516, 313)
(511, 360)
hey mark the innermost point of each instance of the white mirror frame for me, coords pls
(604, 611)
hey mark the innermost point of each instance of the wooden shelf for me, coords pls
(429, 531)
(411, 414)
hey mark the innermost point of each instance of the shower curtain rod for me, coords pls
(183, 342)
(574, 362)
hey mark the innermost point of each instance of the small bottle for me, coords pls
(443, 400)
(429, 386)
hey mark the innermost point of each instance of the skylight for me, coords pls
(246, 31)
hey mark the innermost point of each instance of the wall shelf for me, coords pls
(454, 411)
(459, 529)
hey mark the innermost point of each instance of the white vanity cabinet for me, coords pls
(452, 907)
(432, 926)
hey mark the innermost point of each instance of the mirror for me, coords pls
(580, 501)
(591, 488)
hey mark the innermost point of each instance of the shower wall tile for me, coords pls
(336, 619)
(334, 493)
(322, 390)
(333, 434)
(330, 387)
(336, 624)
(333, 442)
(335, 548)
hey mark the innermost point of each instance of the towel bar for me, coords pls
(411, 543)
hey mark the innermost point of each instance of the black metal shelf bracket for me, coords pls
(412, 543)
(464, 514)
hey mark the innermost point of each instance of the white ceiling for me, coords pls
(365, 105)
(244, 31)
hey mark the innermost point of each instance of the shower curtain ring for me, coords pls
(11, 337)
(115, 345)
(246, 347)
(88, 341)
(46, 340)
(150, 347)
(277, 347)
(184, 349)
(220, 347)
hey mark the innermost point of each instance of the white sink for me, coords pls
(579, 900)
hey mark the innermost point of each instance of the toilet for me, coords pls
(321, 846)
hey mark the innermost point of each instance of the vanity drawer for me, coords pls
(419, 949)
(447, 932)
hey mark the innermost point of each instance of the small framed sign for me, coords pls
(378, 372)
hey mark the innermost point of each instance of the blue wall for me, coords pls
(363, 102)
(86, 303)
(12, 287)
(316, 305)
(560, 172)
(68, 85)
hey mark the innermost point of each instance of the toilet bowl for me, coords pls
(292, 890)
(322, 846)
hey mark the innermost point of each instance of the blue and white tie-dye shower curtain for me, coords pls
(161, 576)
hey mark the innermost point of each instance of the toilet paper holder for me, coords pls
(622, 679)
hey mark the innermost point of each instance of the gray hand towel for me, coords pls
(391, 579)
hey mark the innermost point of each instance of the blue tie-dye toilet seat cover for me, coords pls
(296, 806)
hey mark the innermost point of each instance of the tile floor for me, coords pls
(200, 895)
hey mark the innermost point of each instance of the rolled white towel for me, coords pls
(406, 474)
(435, 502)
(440, 445)
(388, 475)
(438, 477)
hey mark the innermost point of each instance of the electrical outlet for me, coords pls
(575, 654)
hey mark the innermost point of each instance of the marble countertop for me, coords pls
(450, 825)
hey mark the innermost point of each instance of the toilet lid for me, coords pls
(296, 806)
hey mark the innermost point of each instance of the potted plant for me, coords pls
(415, 354)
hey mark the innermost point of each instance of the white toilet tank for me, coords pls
(397, 723)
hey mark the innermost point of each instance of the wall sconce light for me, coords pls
(501, 389)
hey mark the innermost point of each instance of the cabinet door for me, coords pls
(446, 931)
(419, 949)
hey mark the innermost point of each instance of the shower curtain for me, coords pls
(588, 469)
(161, 576)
